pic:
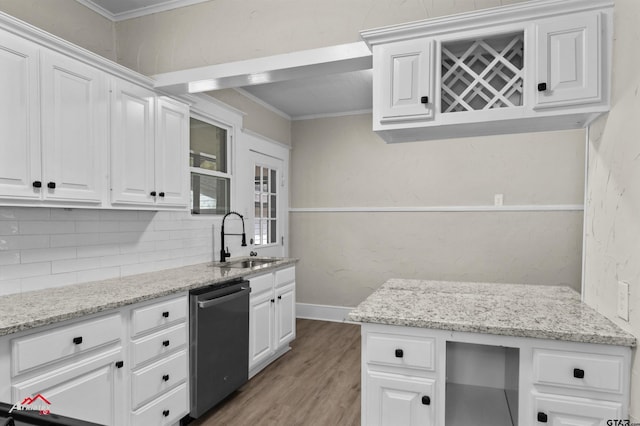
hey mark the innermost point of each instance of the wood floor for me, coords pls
(316, 383)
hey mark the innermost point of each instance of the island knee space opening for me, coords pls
(481, 385)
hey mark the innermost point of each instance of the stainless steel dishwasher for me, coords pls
(219, 332)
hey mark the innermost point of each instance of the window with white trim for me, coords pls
(265, 199)
(209, 163)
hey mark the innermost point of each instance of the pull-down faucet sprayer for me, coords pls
(225, 253)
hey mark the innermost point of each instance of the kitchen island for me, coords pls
(454, 353)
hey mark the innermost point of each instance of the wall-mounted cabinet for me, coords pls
(56, 128)
(534, 66)
(149, 148)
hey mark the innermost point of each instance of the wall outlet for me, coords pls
(623, 300)
(498, 199)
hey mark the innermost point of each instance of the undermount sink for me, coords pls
(248, 263)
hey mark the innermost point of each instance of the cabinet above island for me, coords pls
(449, 353)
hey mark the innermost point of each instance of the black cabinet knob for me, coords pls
(399, 353)
(542, 87)
(424, 100)
(578, 373)
(77, 340)
(119, 364)
(37, 184)
(165, 343)
(542, 417)
(426, 400)
(51, 185)
(279, 297)
(165, 413)
(152, 193)
(273, 300)
(165, 377)
(161, 194)
(165, 314)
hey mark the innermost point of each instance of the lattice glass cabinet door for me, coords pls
(482, 74)
(265, 204)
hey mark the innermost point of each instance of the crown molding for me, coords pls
(142, 11)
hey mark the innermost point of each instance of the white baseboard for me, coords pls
(323, 312)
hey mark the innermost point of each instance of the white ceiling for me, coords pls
(118, 10)
(327, 95)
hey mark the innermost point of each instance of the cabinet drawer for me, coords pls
(157, 344)
(58, 343)
(159, 314)
(401, 351)
(165, 410)
(578, 370)
(151, 381)
(261, 284)
(560, 410)
(285, 276)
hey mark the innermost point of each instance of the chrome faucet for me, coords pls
(225, 253)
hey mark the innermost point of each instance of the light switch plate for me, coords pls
(623, 300)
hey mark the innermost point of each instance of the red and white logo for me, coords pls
(36, 403)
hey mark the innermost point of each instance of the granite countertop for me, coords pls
(28, 310)
(545, 312)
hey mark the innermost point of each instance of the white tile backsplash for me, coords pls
(43, 248)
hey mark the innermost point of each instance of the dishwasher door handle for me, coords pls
(218, 300)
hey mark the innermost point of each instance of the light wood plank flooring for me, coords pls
(316, 383)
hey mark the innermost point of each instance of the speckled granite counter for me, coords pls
(545, 312)
(38, 308)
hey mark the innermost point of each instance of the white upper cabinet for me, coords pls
(132, 143)
(149, 148)
(172, 153)
(408, 66)
(19, 118)
(77, 130)
(74, 130)
(533, 66)
(567, 63)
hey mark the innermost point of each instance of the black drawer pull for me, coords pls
(161, 194)
(165, 413)
(578, 373)
(426, 400)
(165, 377)
(51, 185)
(424, 100)
(77, 340)
(165, 343)
(119, 364)
(152, 193)
(279, 297)
(542, 417)
(542, 87)
(37, 184)
(165, 314)
(399, 353)
(273, 300)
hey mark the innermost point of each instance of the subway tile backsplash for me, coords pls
(43, 247)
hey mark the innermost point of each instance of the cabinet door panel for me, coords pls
(286, 314)
(405, 77)
(86, 391)
(172, 160)
(568, 60)
(132, 140)
(566, 411)
(19, 118)
(398, 400)
(260, 328)
(74, 129)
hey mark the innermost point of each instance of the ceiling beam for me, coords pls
(302, 64)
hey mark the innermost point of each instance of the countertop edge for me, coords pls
(82, 311)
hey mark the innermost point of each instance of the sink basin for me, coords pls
(248, 263)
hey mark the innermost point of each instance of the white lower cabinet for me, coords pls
(272, 317)
(399, 400)
(129, 366)
(436, 377)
